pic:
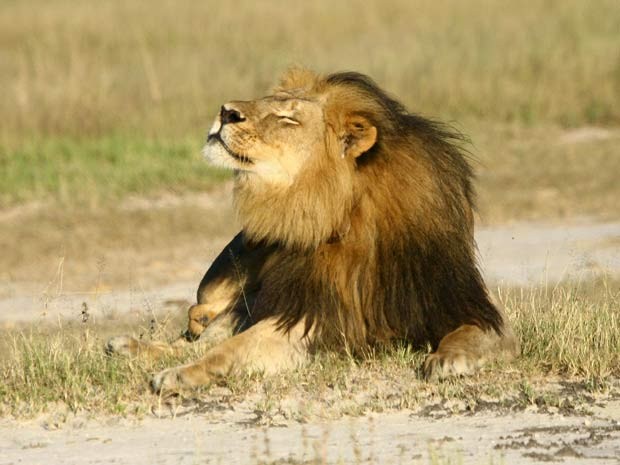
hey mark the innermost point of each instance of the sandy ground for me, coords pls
(525, 254)
(519, 254)
(229, 437)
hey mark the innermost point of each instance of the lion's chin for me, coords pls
(219, 155)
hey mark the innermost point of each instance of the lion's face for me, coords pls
(272, 137)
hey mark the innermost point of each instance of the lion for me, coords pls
(357, 231)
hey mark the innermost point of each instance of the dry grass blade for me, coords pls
(569, 329)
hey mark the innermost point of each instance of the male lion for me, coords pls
(357, 230)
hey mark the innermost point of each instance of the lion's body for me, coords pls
(357, 231)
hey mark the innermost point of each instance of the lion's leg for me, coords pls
(225, 290)
(203, 324)
(228, 284)
(199, 318)
(134, 347)
(218, 329)
(263, 348)
(466, 348)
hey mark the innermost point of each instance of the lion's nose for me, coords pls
(229, 115)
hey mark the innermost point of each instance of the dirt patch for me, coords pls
(525, 254)
(230, 436)
(146, 278)
(585, 134)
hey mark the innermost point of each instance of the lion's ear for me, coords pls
(360, 136)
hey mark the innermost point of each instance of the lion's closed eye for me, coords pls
(286, 119)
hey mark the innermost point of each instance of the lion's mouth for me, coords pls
(241, 158)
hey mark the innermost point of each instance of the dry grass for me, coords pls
(572, 330)
(570, 335)
(545, 173)
(65, 368)
(165, 66)
(159, 241)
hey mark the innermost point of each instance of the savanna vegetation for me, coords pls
(570, 337)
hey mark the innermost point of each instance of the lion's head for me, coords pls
(298, 152)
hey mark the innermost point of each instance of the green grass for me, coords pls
(523, 173)
(101, 170)
(569, 334)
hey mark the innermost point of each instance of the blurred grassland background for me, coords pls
(101, 99)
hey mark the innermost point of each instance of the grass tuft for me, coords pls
(569, 331)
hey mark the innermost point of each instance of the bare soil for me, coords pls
(132, 280)
(231, 436)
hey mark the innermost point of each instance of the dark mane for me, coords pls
(443, 138)
(396, 111)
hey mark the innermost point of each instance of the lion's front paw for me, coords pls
(179, 378)
(440, 365)
(122, 345)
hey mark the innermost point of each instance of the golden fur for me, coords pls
(357, 231)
